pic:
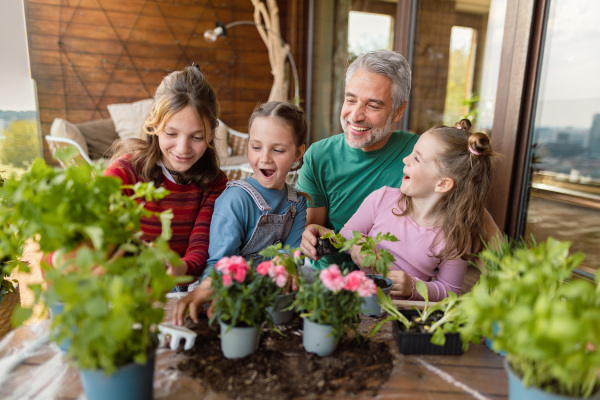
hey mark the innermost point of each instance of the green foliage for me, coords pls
(111, 304)
(21, 143)
(339, 309)
(243, 303)
(450, 322)
(548, 323)
(290, 258)
(380, 261)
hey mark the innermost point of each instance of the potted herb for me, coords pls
(241, 296)
(379, 261)
(110, 283)
(283, 270)
(547, 322)
(430, 330)
(329, 304)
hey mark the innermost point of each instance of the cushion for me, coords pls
(65, 129)
(129, 117)
(99, 135)
(221, 141)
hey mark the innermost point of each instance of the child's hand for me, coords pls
(179, 270)
(403, 284)
(194, 301)
(357, 258)
(309, 240)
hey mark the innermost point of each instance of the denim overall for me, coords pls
(270, 228)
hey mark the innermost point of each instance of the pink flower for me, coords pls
(226, 280)
(367, 287)
(297, 254)
(235, 266)
(279, 275)
(332, 278)
(353, 280)
(263, 267)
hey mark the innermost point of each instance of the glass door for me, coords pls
(563, 180)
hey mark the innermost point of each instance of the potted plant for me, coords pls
(282, 268)
(379, 261)
(547, 322)
(430, 330)
(241, 296)
(110, 283)
(329, 304)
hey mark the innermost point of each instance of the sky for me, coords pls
(16, 85)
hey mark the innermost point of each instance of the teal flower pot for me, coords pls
(318, 338)
(56, 309)
(518, 391)
(371, 305)
(278, 310)
(238, 342)
(130, 382)
(490, 341)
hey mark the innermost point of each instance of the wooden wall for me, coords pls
(86, 54)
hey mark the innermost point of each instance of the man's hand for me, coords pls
(403, 284)
(194, 301)
(309, 240)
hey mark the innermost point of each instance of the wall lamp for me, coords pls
(211, 36)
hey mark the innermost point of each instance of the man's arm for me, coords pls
(316, 218)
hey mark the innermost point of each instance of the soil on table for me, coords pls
(282, 369)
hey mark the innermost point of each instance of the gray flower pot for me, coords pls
(278, 311)
(371, 305)
(130, 382)
(238, 342)
(318, 339)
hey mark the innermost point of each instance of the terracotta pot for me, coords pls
(9, 303)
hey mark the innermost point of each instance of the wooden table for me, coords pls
(46, 374)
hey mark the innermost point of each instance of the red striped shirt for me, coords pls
(192, 211)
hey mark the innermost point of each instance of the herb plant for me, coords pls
(110, 282)
(379, 260)
(548, 323)
(438, 318)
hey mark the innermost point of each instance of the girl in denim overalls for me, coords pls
(263, 209)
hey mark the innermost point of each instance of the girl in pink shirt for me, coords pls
(437, 214)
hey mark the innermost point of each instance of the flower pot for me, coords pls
(489, 341)
(238, 342)
(517, 391)
(278, 311)
(130, 382)
(371, 305)
(9, 303)
(56, 309)
(318, 339)
(420, 343)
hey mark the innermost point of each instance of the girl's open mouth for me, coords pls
(267, 172)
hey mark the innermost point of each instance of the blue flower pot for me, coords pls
(518, 391)
(238, 342)
(278, 310)
(371, 305)
(490, 341)
(56, 309)
(130, 382)
(318, 338)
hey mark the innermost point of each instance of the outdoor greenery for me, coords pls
(20, 144)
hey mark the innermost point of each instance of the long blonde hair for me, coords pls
(468, 159)
(177, 90)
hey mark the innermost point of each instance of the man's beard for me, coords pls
(374, 136)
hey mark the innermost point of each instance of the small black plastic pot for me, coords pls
(420, 343)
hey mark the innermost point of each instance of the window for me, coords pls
(368, 32)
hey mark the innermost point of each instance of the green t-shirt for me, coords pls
(340, 177)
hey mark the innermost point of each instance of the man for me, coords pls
(341, 171)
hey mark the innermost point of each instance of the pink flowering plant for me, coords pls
(334, 298)
(241, 295)
(282, 267)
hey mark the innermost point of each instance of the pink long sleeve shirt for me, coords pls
(413, 251)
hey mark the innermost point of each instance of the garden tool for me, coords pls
(175, 334)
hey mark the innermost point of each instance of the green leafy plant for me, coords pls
(334, 298)
(290, 259)
(437, 318)
(7, 285)
(547, 322)
(109, 281)
(241, 295)
(379, 260)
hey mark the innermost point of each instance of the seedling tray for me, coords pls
(420, 343)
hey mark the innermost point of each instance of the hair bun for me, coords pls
(479, 142)
(464, 124)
